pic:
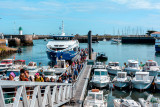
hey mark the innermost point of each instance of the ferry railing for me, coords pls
(41, 94)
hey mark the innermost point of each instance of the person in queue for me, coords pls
(38, 78)
(26, 73)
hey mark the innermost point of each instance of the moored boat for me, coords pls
(151, 67)
(121, 80)
(101, 57)
(113, 68)
(98, 65)
(150, 102)
(100, 78)
(157, 80)
(5, 65)
(95, 99)
(132, 67)
(142, 80)
(32, 66)
(125, 103)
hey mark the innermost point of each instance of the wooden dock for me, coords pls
(82, 82)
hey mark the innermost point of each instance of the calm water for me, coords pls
(120, 53)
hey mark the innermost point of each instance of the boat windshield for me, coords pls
(2, 65)
(98, 96)
(151, 64)
(103, 73)
(121, 75)
(63, 38)
(91, 97)
(48, 73)
(133, 65)
(96, 73)
(142, 77)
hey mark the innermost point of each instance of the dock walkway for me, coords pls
(82, 82)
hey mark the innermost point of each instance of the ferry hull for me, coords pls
(157, 48)
(68, 55)
(121, 84)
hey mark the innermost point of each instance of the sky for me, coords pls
(44, 17)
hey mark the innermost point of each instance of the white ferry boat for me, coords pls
(95, 99)
(62, 47)
(113, 68)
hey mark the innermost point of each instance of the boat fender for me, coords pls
(153, 83)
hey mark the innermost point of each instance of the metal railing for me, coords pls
(41, 94)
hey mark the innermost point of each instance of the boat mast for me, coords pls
(63, 34)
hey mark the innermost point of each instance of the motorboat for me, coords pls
(98, 65)
(157, 45)
(5, 65)
(62, 47)
(101, 57)
(157, 80)
(151, 67)
(142, 80)
(32, 66)
(95, 99)
(121, 80)
(115, 41)
(150, 102)
(132, 67)
(125, 103)
(100, 78)
(113, 68)
(60, 67)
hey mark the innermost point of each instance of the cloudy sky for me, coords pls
(79, 16)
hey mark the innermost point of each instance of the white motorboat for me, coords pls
(121, 80)
(132, 67)
(142, 80)
(95, 99)
(113, 68)
(100, 78)
(115, 41)
(157, 80)
(151, 67)
(60, 67)
(150, 102)
(98, 65)
(5, 65)
(32, 66)
(125, 103)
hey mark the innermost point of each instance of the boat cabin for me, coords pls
(19, 62)
(100, 72)
(7, 61)
(60, 64)
(151, 63)
(121, 74)
(133, 64)
(142, 76)
(32, 64)
(95, 95)
(113, 64)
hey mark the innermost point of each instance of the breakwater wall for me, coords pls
(19, 40)
(138, 40)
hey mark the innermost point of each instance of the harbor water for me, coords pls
(120, 53)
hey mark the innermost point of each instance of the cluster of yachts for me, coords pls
(11, 65)
(132, 74)
(138, 76)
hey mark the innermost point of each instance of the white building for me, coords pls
(155, 34)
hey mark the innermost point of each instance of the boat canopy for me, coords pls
(151, 63)
(95, 95)
(142, 76)
(19, 62)
(100, 72)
